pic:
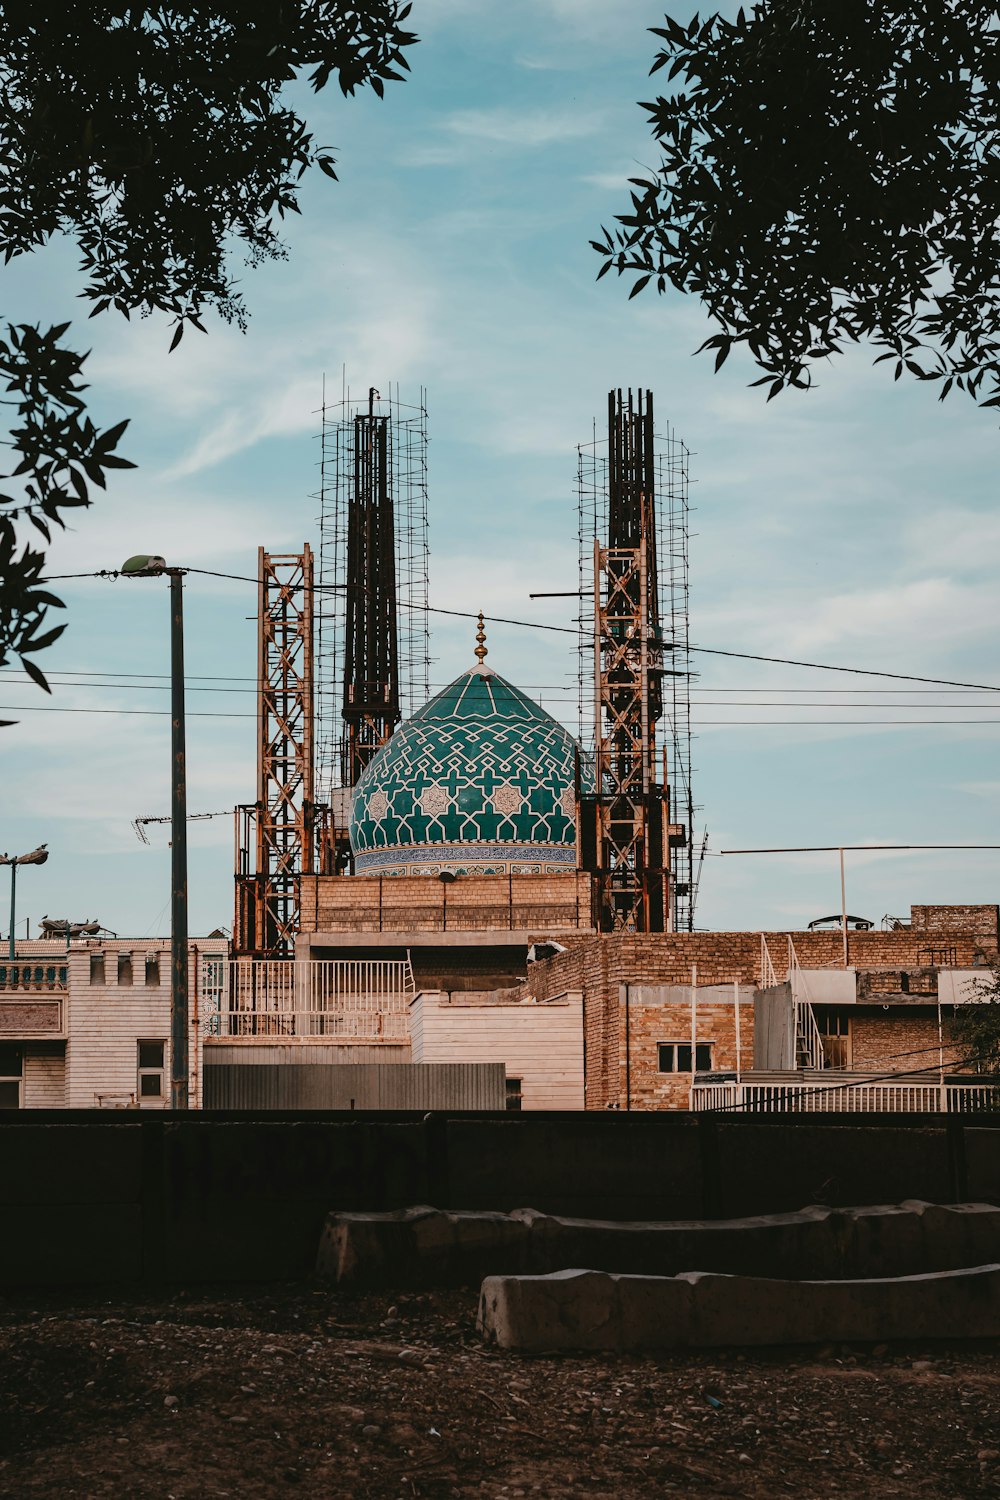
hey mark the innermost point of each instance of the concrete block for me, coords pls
(420, 1247)
(425, 1247)
(592, 1310)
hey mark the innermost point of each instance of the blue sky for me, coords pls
(855, 525)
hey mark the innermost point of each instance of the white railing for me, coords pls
(768, 978)
(847, 1097)
(354, 1000)
(808, 1042)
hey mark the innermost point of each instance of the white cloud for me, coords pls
(466, 132)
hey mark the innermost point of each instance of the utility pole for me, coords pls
(178, 853)
(153, 566)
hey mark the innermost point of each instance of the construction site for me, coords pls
(458, 900)
(465, 904)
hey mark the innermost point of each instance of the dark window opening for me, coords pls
(11, 1073)
(151, 1070)
(675, 1057)
(513, 1093)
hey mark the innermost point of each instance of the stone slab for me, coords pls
(594, 1310)
(426, 1247)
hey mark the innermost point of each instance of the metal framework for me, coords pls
(633, 511)
(276, 836)
(372, 636)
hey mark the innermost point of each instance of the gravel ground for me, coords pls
(268, 1392)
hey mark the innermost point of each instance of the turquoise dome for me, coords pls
(480, 781)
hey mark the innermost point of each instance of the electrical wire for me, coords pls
(461, 614)
(156, 713)
(32, 708)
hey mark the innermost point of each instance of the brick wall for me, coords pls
(546, 904)
(601, 966)
(649, 1015)
(898, 1041)
(983, 922)
(722, 957)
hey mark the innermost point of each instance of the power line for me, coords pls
(819, 666)
(32, 708)
(808, 723)
(859, 848)
(156, 713)
(461, 614)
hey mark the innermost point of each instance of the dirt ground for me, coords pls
(279, 1391)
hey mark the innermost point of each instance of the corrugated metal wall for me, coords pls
(294, 1054)
(317, 1085)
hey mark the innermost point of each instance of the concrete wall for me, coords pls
(209, 1197)
(106, 1019)
(542, 1045)
(104, 1015)
(774, 1028)
(825, 986)
(962, 986)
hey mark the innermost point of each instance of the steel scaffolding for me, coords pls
(276, 835)
(372, 634)
(634, 668)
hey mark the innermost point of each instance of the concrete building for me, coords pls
(468, 934)
(88, 1026)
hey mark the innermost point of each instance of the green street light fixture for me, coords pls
(154, 566)
(36, 857)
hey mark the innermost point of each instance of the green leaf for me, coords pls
(35, 673)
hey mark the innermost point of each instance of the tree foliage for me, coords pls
(60, 454)
(156, 135)
(976, 1026)
(830, 174)
(157, 138)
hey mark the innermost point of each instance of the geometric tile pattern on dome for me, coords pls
(480, 778)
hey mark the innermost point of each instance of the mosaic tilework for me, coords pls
(467, 859)
(481, 778)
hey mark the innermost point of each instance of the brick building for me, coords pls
(465, 931)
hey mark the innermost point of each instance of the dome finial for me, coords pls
(480, 651)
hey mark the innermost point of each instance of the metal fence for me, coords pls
(352, 999)
(847, 1097)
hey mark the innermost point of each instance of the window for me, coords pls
(97, 968)
(151, 1070)
(11, 1077)
(124, 968)
(675, 1057)
(152, 968)
(513, 1093)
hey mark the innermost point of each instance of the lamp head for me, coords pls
(143, 566)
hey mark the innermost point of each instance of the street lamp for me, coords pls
(36, 857)
(152, 566)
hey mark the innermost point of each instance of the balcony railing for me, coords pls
(847, 1096)
(34, 977)
(350, 1000)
